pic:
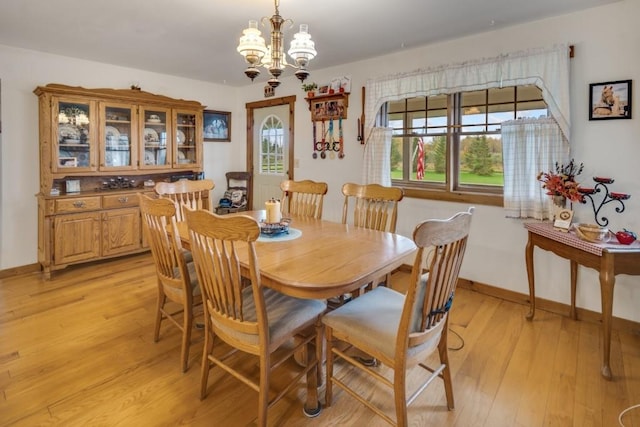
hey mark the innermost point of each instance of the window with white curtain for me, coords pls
(543, 68)
(453, 142)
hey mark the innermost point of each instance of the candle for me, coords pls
(273, 211)
(603, 180)
(620, 196)
(586, 190)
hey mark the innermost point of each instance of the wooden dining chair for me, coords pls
(193, 194)
(401, 331)
(252, 319)
(374, 206)
(177, 280)
(303, 198)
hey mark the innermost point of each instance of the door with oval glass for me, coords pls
(271, 149)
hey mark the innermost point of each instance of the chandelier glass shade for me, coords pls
(257, 54)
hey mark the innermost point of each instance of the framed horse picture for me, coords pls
(610, 100)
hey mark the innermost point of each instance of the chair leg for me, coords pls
(263, 392)
(187, 317)
(159, 306)
(319, 351)
(312, 407)
(206, 364)
(400, 394)
(328, 393)
(446, 373)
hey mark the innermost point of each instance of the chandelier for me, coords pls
(252, 46)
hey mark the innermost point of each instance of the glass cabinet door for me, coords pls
(187, 133)
(74, 133)
(118, 149)
(155, 147)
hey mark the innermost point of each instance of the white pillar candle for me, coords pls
(273, 211)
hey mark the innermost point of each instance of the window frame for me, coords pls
(451, 189)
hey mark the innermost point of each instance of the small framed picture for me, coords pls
(216, 126)
(610, 100)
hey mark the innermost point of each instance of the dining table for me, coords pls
(320, 259)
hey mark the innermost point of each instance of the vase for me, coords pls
(559, 203)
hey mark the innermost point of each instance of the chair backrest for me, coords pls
(159, 225)
(441, 247)
(375, 206)
(303, 198)
(187, 193)
(217, 243)
(238, 181)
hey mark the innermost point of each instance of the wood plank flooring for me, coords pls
(78, 350)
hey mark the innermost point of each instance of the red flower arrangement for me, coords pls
(562, 182)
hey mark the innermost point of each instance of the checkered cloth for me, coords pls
(570, 239)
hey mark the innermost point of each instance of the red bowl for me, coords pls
(625, 238)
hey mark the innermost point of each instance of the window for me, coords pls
(448, 146)
(272, 146)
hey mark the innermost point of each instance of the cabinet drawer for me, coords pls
(77, 205)
(119, 201)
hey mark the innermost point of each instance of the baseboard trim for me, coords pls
(561, 309)
(16, 271)
(548, 305)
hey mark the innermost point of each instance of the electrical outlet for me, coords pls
(296, 163)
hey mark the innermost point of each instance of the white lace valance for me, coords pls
(547, 68)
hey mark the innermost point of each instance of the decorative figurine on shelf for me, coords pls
(601, 186)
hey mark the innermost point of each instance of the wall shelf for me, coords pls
(330, 106)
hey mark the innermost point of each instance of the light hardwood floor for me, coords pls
(78, 351)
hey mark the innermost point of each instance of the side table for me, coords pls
(609, 259)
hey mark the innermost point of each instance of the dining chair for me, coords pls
(193, 194)
(176, 278)
(253, 319)
(399, 330)
(303, 198)
(374, 207)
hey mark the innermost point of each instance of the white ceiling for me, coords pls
(197, 38)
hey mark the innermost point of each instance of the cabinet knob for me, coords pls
(79, 204)
(123, 199)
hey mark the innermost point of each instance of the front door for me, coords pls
(270, 149)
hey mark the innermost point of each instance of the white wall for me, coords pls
(496, 247)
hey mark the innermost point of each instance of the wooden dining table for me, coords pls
(325, 259)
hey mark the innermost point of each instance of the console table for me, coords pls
(609, 259)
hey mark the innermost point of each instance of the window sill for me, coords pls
(455, 196)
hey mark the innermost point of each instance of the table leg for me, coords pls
(574, 281)
(607, 281)
(531, 278)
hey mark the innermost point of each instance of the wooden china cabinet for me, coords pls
(98, 147)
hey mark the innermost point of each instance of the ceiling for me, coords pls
(197, 39)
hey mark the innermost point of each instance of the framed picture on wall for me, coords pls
(216, 126)
(610, 100)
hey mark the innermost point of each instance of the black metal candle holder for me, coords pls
(601, 187)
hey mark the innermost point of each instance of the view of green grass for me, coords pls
(465, 177)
